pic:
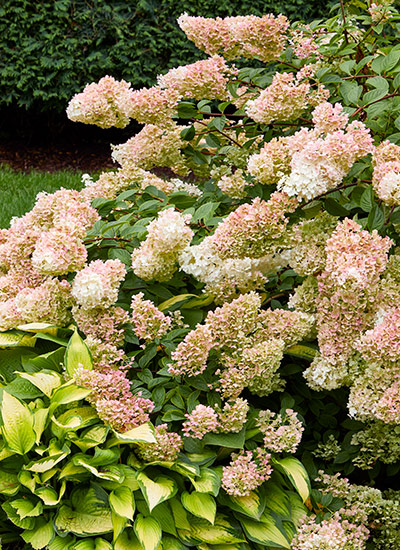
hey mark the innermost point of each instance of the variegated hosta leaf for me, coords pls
(252, 505)
(17, 426)
(122, 502)
(296, 473)
(208, 482)
(159, 490)
(40, 536)
(148, 532)
(77, 355)
(264, 532)
(201, 505)
(222, 532)
(142, 434)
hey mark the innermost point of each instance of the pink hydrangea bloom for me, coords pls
(104, 324)
(284, 100)
(166, 449)
(386, 175)
(147, 320)
(281, 433)
(98, 283)
(247, 471)
(190, 357)
(243, 36)
(233, 416)
(105, 104)
(154, 105)
(200, 422)
(58, 252)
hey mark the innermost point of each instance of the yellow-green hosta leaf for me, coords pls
(264, 532)
(172, 543)
(180, 516)
(208, 482)
(159, 490)
(119, 524)
(175, 300)
(142, 434)
(41, 535)
(122, 502)
(95, 522)
(27, 508)
(39, 422)
(17, 426)
(276, 498)
(222, 532)
(297, 508)
(296, 473)
(12, 339)
(72, 419)
(26, 523)
(127, 541)
(162, 513)
(9, 483)
(302, 351)
(201, 505)
(49, 496)
(46, 380)
(148, 532)
(46, 463)
(77, 355)
(61, 543)
(68, 393)
(44, 328)
(252, 505)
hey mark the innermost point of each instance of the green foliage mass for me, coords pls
(50, 49)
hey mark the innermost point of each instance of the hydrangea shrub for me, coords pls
(199, 345)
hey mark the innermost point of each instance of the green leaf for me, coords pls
(296, 473)
(302, 351)
(376, 218)
(159, 490)
(17, 424)
(264, 532)
(122, 502)
(333, 207)
(41, 535)
(200, 505)
(367, 199)
(26, 523)
(148, 532)
(26, 507)
(77, 355)
(230, 440)
(208, 482)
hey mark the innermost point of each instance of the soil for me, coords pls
(53, 157)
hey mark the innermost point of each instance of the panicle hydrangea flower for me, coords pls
(123, 415)
(105, 355)
(10, 315)
(200, 422)
(243, 36)
(233, 185)
(233, 416)
(337, 533)
(147, 320)
(381, 344)
(304, 43)
(253, 230)
(271, 162)
(255, 368)
(281, 433)
(104, 324)
(305, 296)
(348, 289)
(98, 283)
(105, 104)
(288, 326)
(247, 471)
(114, 402)
(49, 302)
(328, 118)
(387, 409)
(204, 79)
(166, 449)
(154, 105)
(377, 442)
(58, 252)
(153, 147)
(319, 164)
(167, 235)
(226, 279)
(191, 355)
(307, 253)
(284, 100)
(386, 174)
(110, 385)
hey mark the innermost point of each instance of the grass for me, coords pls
(18, 190)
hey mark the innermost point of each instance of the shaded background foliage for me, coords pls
(50, 49)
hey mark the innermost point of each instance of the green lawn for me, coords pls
(18, 190)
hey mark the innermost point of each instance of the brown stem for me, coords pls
(360, 109)
(328, 192)
(280, 295)
(344, 21)
(390, 214)
(221, 132)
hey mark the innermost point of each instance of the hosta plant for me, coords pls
(199, 344)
